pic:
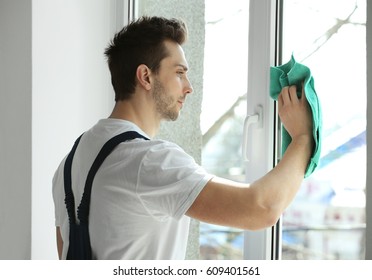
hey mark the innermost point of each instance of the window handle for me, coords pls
(257, 118)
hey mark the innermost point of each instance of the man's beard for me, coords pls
(166, 106)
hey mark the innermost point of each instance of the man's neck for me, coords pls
(144, 119)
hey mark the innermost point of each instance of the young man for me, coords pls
(146, 190)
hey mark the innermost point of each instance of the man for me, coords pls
(146, 190)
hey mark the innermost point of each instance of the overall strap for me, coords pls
(79, 239)
(69, 196)
(83, 209)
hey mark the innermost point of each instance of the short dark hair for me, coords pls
(140, 42)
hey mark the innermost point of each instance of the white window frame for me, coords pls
(126, 11)
(369, 135)
(260, 138)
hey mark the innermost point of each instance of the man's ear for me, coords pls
(143, 76)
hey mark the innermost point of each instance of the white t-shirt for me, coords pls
(139, 195)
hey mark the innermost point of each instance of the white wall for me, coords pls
(54, 84)
(15, 129)
(71, 90)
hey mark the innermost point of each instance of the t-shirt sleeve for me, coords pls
(169, 180)
(58, 194)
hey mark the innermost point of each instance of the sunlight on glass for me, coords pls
(223, 111)
(327, 218)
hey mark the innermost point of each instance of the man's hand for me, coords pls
(295, 112)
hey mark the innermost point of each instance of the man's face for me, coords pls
(171, 84)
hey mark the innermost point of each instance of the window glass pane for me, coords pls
(327, 218)
(223, 111)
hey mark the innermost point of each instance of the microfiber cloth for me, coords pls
(293, 73)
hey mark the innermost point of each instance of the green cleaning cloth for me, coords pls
(293, 73)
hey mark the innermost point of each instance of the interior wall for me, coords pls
(71, 90)
(54, 84)
(15, 129)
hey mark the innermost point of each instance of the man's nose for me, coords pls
(188, 87)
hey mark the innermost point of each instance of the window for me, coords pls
(330, 207)
(223, 111)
